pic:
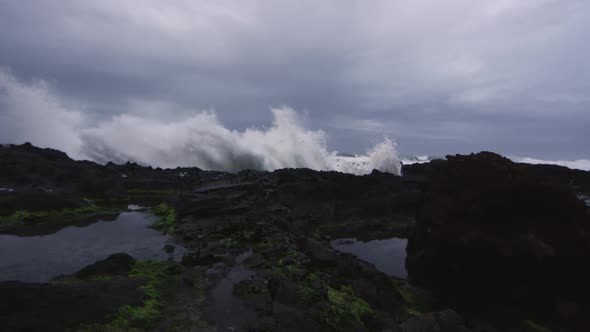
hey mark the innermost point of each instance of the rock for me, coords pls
(173, 268)
(482, 326)
(443, 321)
(57, 308)
(424, 323)
(289, 261)
(169, 248)
(194, 259)
(530, 326)
(286, 292)
(317, 252)
(255, 260)
(115, 265)
(256, 295)
(492, 237)
(450, 321)
(189, 259)
(488, 236)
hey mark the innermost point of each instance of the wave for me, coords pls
(202, 141)
(31, 112)
(581, 164)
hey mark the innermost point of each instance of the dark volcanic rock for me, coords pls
(492, 237)
(194, 259)
(49, 308)
(331, 196)
(169, 248)
(29, 169)
(444, 321)
(115, 265)
(495, 240)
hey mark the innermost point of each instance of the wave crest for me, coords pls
(31, 112)
(202, 141)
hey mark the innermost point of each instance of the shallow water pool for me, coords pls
(42, 258)
(388, 255)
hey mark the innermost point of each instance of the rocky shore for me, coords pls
(492, 246)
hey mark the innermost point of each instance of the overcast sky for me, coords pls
(439, 77)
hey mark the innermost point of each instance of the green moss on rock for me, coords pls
(345, 308)
(143, 317)
(167, 217)
(417, 301)
(20, 217)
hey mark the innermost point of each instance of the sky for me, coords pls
(437, 77)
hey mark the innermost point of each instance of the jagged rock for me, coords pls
(318, 253)
(450, 321)
(492, 237)
(57, 308)
(424, 323)
(194, 259)
(255, 294)
(443, 321)
(115, 265)
(169, 248)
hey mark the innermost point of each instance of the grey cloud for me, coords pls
(439, 77)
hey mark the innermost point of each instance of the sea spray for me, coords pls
(202, 141)
(33, 112)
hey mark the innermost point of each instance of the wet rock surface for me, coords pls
(495, 238)
(115, 265)
(50, 307)
(503, 244)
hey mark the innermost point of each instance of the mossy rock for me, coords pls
(255, 294)
(167, 218)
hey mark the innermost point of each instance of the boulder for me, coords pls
(493, 237)
(115, 265)
(57, 307)
(443, 321)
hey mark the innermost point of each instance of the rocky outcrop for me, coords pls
(60, 307)
(115, 265)
(443, 321)
(495, 239)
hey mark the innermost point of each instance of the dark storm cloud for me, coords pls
(439, 77)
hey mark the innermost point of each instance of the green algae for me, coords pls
(154, 274)
(416, 301)
(72, 280)
(143, 317)
(167, 218)
(20, 217)
(345, 307)
(31, 215)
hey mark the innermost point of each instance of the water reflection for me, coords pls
(387, 255)
(41, 258)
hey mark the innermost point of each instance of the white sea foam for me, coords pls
(31, 112)
(581, 164)
(202, 141)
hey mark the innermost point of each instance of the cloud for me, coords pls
(513, 66)
(30, 112)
